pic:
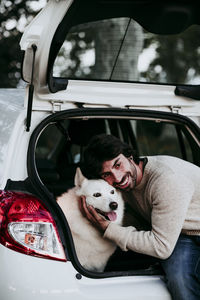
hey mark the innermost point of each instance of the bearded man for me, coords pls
(165, 192)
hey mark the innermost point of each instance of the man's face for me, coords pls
(120, 172)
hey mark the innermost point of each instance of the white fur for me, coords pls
(92, 249)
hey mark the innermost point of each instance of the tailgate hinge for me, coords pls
(175, 109)
(56, 106)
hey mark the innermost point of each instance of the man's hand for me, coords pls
(90, 213)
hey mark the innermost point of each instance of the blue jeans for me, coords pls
(182, 269)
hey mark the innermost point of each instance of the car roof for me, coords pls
(11, 99)
(11, 105)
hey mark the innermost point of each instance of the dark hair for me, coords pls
(101, 148)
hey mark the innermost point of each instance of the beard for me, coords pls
(128, 181)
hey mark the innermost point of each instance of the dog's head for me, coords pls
(103, 197)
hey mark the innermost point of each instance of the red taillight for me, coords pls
(27, 226)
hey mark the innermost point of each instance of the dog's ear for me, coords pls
(79, 178)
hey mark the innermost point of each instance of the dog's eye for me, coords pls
(97, 195)
(112, 192)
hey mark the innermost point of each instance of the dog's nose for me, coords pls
(113, 205)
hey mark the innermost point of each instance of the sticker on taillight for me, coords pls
(40, 237)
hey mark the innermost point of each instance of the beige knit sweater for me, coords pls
(168, 198)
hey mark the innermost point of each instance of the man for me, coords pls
(165, 192)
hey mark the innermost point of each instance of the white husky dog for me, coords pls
(92, 249)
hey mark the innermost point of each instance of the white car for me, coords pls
(92, 66)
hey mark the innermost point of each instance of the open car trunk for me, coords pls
(56, 150)
(107, 94)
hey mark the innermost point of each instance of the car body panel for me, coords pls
(40, 32)
(32, 284)
(16, 150)
(59, 280)
(115, 94)
(12, 107)
(14, 139)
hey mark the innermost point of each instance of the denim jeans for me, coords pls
(182, 269)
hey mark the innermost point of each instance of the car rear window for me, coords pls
(120, 49)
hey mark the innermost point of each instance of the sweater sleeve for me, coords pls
(170, 200)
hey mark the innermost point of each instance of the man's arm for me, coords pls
(170, 200)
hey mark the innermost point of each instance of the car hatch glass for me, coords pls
(120, 49)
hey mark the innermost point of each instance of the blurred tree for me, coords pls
(118, 48)
(106, 50)
(14, 15)
(114, 49)
(177, 57)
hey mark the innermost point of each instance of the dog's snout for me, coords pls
(113, 205)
